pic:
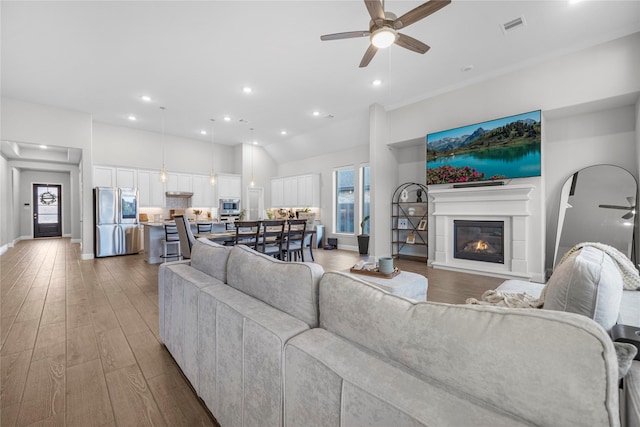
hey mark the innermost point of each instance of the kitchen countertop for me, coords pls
(161, 224)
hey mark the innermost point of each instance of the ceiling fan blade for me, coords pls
(628, 215)
(347, 35)
(419, 13)
(375, 11)
(368, 56)
(626, 208)
(411, 44)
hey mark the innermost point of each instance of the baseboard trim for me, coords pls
(76, 240)
(86, 257)
(348, 248)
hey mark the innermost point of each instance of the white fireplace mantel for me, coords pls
(509, 203)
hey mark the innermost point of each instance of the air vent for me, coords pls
(514, 24)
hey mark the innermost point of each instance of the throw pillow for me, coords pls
(587, 283)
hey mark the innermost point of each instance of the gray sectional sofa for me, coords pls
(269, 343)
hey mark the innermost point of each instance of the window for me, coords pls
(366, 199)
(344, 200)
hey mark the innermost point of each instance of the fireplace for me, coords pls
(479, 240)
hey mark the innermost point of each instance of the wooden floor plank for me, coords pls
(78, 314)
(22, 336)
(44, 392)
(51, 341)
(104, 318)
(54, 311)
(153, 358)
(114, 350)
(133, 403)
(179, 405)
(81, 345)
(88, 402)
(13, 376)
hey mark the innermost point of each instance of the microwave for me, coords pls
(229, 207)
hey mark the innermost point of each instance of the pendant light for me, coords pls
(163, 170)
(212, 177)
(252, 143)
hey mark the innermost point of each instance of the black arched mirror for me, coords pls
(597, 204)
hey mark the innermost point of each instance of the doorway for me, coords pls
(47, 210)
(255, 203)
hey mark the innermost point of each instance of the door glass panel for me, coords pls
(48, 198)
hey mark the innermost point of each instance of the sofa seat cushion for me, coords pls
(241, 351)
(330, 381)
(288, 286)
(457, 345)
(588, 283)
(210, 259)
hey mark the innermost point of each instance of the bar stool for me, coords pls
(171, 241)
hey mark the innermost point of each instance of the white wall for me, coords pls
(578, 141)
(39, 124)
(256, 160)
(128, 147)
(6, 212)
(325, 165)
(571, 80)
(27, 179)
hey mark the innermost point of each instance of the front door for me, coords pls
(47, 210)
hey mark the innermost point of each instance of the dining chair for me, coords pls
(171, 241)
(271, 238)
(293, 239)
(204, 227)
(186, 235)
(247, 233)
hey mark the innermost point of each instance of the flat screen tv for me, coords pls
(493, 150)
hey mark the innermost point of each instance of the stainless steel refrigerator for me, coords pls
(115, 215)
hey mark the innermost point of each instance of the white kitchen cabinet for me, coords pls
(202, 192)
(229, 186)
(150, 189)
(296, 191)
(104, 176)
(126, 178)
(179, 182)
(277, 192)
(309, 190)
(291, 191)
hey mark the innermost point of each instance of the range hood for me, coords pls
(181, 194)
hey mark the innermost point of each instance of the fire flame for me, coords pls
(481, 246)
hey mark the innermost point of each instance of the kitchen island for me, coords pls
(154, 235)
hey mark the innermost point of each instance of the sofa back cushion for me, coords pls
(588, 283)
(210, 259)
(288, 286)
(503, 357)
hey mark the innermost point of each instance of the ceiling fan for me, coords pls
(384, 26)
(631, 208)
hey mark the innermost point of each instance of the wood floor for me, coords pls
(80, 342)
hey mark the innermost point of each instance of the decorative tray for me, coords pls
(376, 273)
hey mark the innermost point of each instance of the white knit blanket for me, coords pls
(628, 271)
(507, 299)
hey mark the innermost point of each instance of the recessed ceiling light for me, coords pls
(203, 132)
(283, 132)
(145, 98)
(255, 142)
(377, 82)
(316, 113)
(132, 118)
(247, 89)
(44, 147)
(227, 118)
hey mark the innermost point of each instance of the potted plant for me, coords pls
(363, 239)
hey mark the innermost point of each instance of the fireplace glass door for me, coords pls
(479, 240)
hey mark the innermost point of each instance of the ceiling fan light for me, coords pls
(384, 37)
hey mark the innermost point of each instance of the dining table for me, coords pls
(229, 236)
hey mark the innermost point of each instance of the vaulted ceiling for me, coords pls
(194, 58)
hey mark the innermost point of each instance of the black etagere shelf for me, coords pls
(409, 222)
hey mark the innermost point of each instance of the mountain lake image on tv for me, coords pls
(493, 150)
